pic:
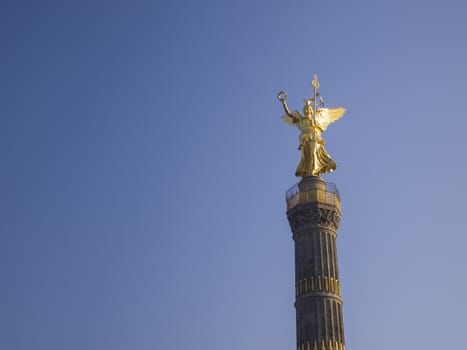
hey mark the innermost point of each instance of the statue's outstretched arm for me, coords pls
(282, 96)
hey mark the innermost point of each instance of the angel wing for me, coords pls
(326, 116)
(291, 121)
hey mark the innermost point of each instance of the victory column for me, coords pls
(313, 211)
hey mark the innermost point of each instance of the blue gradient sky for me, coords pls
(145, 166)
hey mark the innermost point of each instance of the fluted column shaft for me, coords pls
(314, 218)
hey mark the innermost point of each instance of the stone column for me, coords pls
(313, 211)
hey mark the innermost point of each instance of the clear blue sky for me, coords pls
(144, 166)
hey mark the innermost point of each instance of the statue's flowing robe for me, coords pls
(315, 160)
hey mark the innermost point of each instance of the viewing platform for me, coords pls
(313, 189)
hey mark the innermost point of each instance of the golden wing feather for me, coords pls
(326, 116)
(289, 120)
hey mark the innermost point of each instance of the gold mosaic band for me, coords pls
(323, 345)
(319, 284)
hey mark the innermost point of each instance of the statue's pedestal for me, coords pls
(313, 211)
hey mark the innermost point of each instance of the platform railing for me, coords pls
(330, 196)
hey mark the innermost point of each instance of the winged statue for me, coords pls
(316, 119)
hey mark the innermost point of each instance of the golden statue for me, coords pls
(315, 160)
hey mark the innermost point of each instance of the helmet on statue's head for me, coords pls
(308, 109)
